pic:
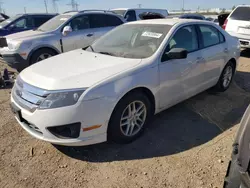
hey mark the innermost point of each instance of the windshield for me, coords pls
(120, 12)
(8, 21)
(54, 23)
(241, 13)
(132, 40)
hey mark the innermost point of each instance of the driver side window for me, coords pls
(185, 37)
(79, 23)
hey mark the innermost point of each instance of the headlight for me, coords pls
(14, 45)
(61, 99)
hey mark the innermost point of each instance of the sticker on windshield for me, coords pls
(151, 34)
(63, 19)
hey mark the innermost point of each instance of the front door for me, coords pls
(181, 78)
(81, 36)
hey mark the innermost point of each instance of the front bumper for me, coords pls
(15, 61)
(88, 113)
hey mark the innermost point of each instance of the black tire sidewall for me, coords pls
(40, 52)
(220, 87)
(114, 131)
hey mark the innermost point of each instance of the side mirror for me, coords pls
(66, 30)
(177, 53)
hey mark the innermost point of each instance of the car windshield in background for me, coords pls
(132, 40)
(241, 13)
(120, 12)
(6, 22)
(54, 23)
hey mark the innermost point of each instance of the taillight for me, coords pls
(225, 24)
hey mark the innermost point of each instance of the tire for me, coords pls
(221, 86)
(232, 179)
(117, 132)
(36, 57)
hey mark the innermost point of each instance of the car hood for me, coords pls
(75, 69)
(26, 35)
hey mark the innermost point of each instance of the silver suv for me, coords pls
(63, 33)
(238, 24)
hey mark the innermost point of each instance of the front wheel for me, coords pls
(129, 118)
(41, 55)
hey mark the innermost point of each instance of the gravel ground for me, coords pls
(186, 146)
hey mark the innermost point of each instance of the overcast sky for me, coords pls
(13, 7)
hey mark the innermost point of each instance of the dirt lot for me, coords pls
(187, 146)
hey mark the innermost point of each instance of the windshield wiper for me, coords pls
(85, 48)
(106, 53)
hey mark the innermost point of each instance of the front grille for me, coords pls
(27, 96)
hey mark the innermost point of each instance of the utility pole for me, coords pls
(74, 5)
(139, 5)
(1, 8)
(46, 6)
(55, 7)
(183, 5)
(24, 8)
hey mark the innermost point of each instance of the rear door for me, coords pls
(214, 53)
(239, 22)
(102, 23)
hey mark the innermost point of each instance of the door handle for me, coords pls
(225, 50)
(90, 35)
(200, 59)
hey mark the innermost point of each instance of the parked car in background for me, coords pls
(192, 16)
(63, 33)
(222, 18)
(3, 17)
(151, 15)
(133, 14)
(238, 171)
(23, 22)
(213, 19)
(238, 24)
(110, 90)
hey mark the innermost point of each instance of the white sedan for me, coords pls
(110, 90)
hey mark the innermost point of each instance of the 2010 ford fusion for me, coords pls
(110, 90)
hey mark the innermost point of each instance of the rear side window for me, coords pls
(241, 13)
(210, 35)
(112, 21)
(40, 20)
(97, 21)
(130, 16)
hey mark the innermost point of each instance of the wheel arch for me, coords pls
(146, 91)
(233, 60)
(40, 48)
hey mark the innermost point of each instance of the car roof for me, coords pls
(72, 13)
(37, 14)
(168, 21)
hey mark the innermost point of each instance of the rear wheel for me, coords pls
(225, 78)
(41, 55)
(129, 118)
